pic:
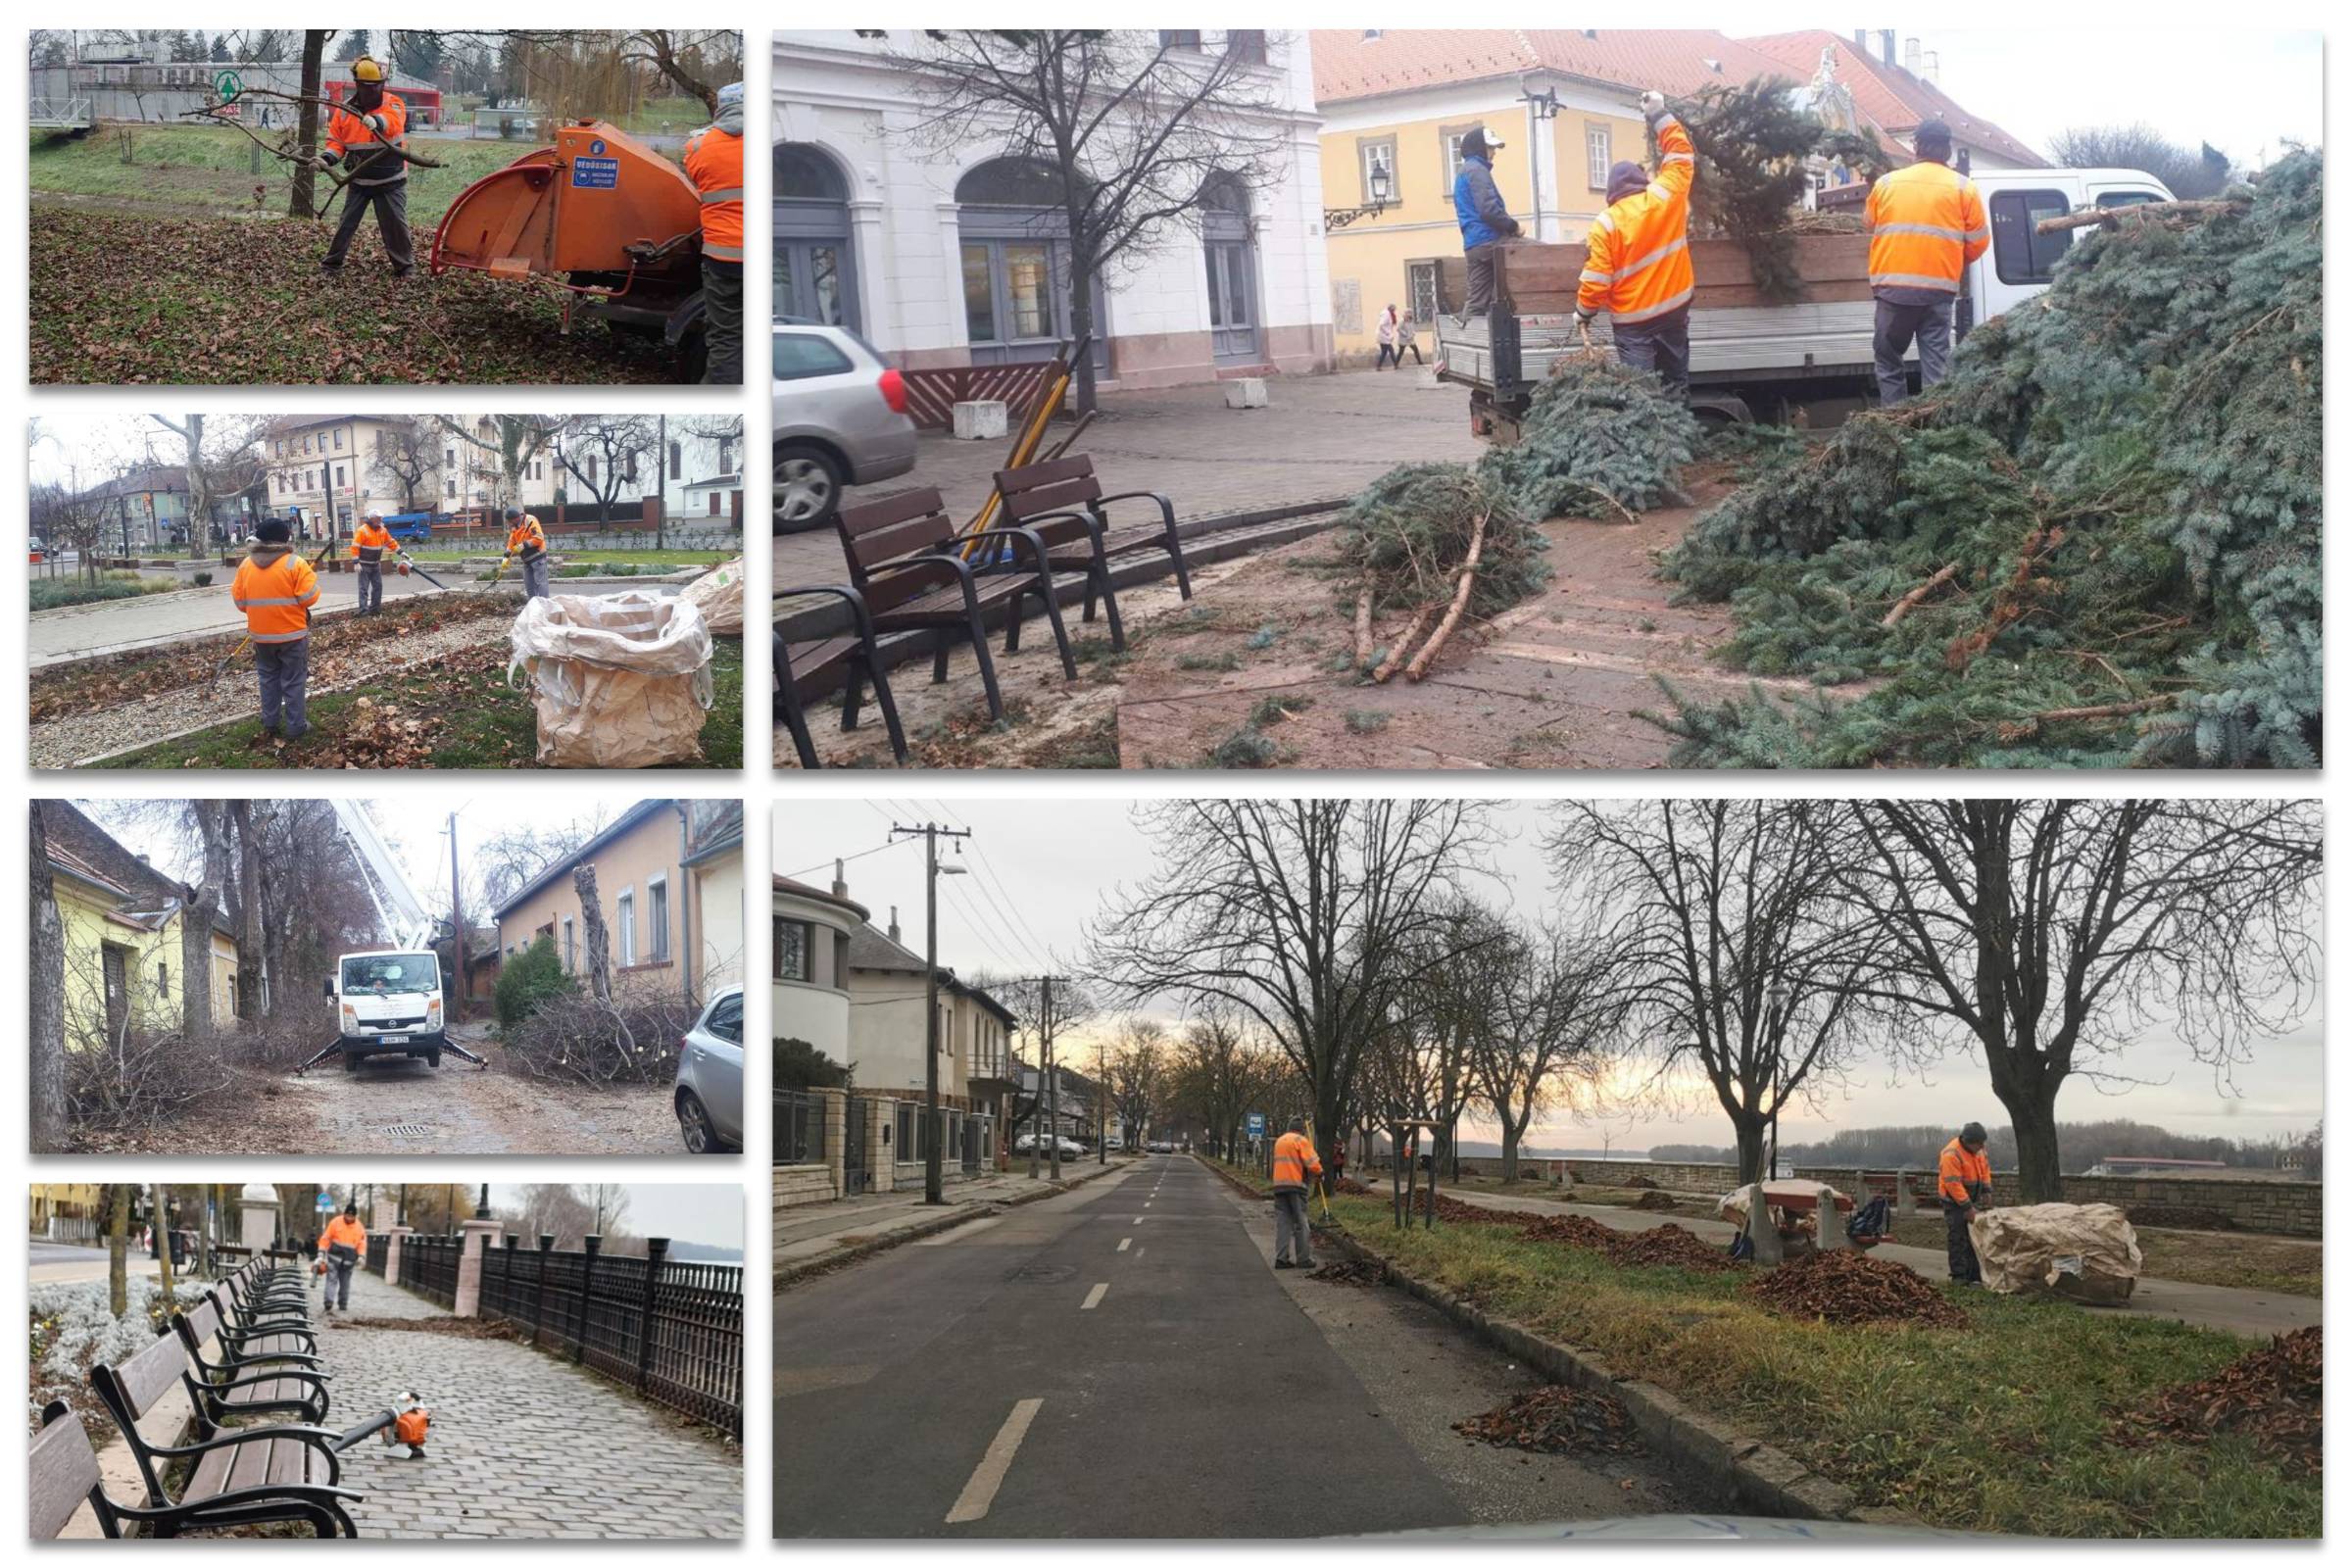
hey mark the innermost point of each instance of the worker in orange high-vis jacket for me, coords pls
(1926, 224)
(344, 1247)
(526, 542)
(367, 131)
(1638, 256)
(276, 588)
(715, 163)
(368, 547)
(1964, 1182)
(1296, 1165)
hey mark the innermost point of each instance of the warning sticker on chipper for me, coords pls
(596, 174)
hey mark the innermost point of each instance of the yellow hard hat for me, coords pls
(367, 68)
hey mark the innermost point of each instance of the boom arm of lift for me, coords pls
(399, 912)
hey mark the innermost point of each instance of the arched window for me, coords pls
(1014, 233)
(815, 265)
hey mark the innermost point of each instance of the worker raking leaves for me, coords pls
(526, 542)
(368, 548)
(275, 589)
(370, 135)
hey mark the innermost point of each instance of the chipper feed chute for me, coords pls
(598, 211)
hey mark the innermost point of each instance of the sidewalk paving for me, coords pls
(524, 1444)
(820, 1230)
(1323, 436)
(2253, 1315)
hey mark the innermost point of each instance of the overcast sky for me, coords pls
(418, 835)
(1040, 869)
(708, 1213)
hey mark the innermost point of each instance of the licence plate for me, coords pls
(391, 1040)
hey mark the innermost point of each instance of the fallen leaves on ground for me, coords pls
(1348, 1271)
(456, 1328)
(128, 299)
(1351, 1187)
(2270, 1396)
(1653, 1201)
(1557, 1419)
(1853, 1288)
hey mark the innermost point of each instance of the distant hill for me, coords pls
(704, 1252)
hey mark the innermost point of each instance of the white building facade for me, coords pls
(947, 259)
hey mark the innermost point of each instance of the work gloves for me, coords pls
(1654, 104)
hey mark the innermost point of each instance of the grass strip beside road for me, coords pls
(1999, 1427)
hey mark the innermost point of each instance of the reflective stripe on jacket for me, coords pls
(370, 543)
(347, 133)
(276, 588)
(1638, 256)
(349, 1232)
(1294, 1161)
(1957, 1168)
(1926, 222)
(526, 539)
(715, 163)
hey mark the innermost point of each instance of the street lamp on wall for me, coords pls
(1380, 184)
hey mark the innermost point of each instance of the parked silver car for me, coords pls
(708, 1097)
(839, 420)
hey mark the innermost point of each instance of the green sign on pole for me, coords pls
(228, 87)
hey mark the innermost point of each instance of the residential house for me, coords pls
(67, 1211)
(122, 923)
(1395, 104)
(143, 508)
(701, 474)
(669, 880)
(335, 468)
(1070, 1108)
(810, 931)
(953, 258)
(888, 1042)
(132, 85)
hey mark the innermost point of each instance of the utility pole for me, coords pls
(1049, 1087)
(932, 833)
(1102, 1096)
(457, 926)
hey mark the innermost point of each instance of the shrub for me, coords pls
(574, 1036)
(529, 981)
(203, 579)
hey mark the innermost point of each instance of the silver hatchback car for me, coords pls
(839, 420)
(709, 1094)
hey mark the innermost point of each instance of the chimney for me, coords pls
(894, 923)
(1887, 44)
(1862, 39)
(841, 886)
(1911, 56)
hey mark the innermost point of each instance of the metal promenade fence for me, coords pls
(670, 1330)
(428, 1266)
(380, 1247)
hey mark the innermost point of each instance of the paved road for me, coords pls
(61, 1264)
(1121, 1362)
(2256, 1314)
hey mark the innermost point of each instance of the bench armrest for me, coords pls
(1167, 509)
(1093, 525)
(959, 568)
(860, 615)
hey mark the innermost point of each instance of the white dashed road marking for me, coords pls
(1093, 1296)
(1126, 1242)
(981, 1491)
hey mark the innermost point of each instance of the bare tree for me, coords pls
(592, 929)
(2186, 174)
(47, 1042)
(1556, 1008)
(117, 1248)
(307, 135)
(515, 440)
(2055, 934)
(1128, 129)
(1738, 960)
(200, 900)
(1135, 1076)
(1043, 1012)
(1212, 1074)
(159, 1201)
(246, 906)
(604, 451)
(407, 452)
(1307, 916)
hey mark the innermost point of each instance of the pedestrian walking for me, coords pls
(275, 589)
(344, 1245)
(1408, 340)
(1387, 333)
(1295, 1165)
(1964, 1182)
(1926, 224)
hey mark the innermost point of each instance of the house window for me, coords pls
(1246, 45)
(1421, 291)
(449, 489)
(448, 457)
(841, 961)
(907, 1120)
(571, 952)
(626, 910)
(340, 473)
(795, 949)
(1597, 156)
(338, 440)
(1453, 153)
(163, 979)
(657, 907)
(1179, 39)
(677, 461)
(1377, 152)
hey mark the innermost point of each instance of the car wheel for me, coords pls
(432, 1057)
(808, 488)
(694, 1125)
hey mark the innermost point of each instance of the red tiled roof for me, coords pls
(1348, 64)
(1890, 95)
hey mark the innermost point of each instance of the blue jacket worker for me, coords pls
(1486, 223)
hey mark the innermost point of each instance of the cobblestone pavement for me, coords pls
(524, 1444)
(1323, 435)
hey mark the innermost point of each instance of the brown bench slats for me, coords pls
(859, 651)
(64, 1469)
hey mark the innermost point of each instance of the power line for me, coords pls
(842, 859)
(1043, 960)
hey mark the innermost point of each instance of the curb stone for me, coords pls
(794, 1274)
(1757, 1473)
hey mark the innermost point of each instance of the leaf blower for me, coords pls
(405, 1429)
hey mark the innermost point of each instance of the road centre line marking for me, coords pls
(1126, 1242)
(981, 1491)
(1139, 1219)
(1095, 1296)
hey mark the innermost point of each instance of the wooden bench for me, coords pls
(856, 655)
(251, 1378)
(65, 1475)
(246, 1476)
(1066, 484)
(906, 563)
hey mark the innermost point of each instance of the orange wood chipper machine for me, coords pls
(617, 225)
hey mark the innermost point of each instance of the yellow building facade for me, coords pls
(123, 959)
(1389, 256)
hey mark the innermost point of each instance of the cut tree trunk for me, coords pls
(48, 1002)
(1397, 652)
(1912, 600)
(1461, 600)
(2110, 216)
(600, 947)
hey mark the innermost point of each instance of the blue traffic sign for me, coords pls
(325, 1202)
(1258, 1123)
